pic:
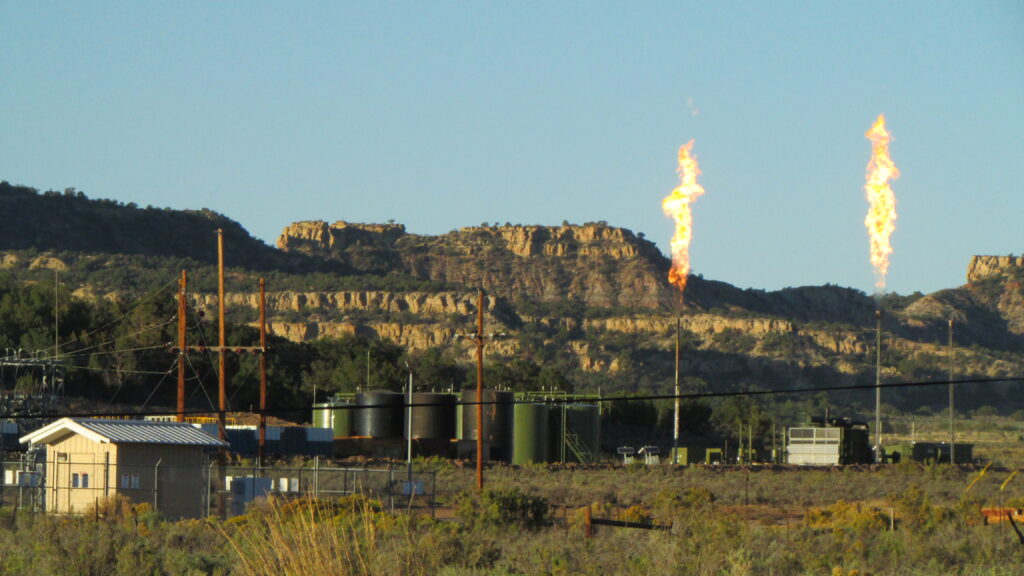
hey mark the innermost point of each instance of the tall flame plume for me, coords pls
(881, 219)
(677, 206)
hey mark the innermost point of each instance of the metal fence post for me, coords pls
(316, 477)
(156, 485)
(209, 483)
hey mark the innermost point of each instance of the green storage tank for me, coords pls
(583, 432)
(556, 433)
(530, 444)
(334, 414)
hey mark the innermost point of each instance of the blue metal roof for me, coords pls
(144, 432)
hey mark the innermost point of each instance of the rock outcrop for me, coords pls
(595, 264)
(982, 267)
(434, 305)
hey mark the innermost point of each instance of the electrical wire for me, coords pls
(118, 339)
(143, 372)
(156, 292)
(200, 380)
(578, 398)
(157, 387)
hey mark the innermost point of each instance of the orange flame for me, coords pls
(677, 206)
(881, 219)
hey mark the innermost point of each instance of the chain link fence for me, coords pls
(77, 487)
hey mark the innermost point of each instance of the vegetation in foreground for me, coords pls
(902, 520)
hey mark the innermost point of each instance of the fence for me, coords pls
(77, 486)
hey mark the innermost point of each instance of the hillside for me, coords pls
(588, 301)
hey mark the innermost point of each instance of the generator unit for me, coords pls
(833, 443)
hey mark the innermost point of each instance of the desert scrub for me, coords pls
(305, 536)
(118, 542)
(503, 507)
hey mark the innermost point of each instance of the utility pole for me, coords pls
(222, 453)
(182, 318)
(480, 390)
(878, 381)
(952, 433)
(675, 421)
(408, 439)
(183, 349)
(263, 373)
(56, 312)
(479, 338)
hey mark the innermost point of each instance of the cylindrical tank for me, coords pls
(583, 423)
(557, 452)
(379, 414)
(530, 438)
(334, 414)
(498, 421)
(321, 414)
(435, 420)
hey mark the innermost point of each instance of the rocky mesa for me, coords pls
(595, 264)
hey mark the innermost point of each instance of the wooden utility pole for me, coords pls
(222, 453)
(675, 419)
(480, 390)
(878, 382)
(221, 358)
(182, 320)
(263, 373)
(952, 431)
(222, 349)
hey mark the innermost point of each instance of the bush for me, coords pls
(496, 508)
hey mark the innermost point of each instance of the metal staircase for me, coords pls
(578, 448)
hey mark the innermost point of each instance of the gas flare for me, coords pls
(677, 206)
(881, 219)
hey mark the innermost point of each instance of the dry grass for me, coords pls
(308, 537)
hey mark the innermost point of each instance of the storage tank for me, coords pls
(530, 436)
(584, 421)
(335, 414)
(556, 433)
(435, 419)
(379, 414)
(498, 421)
(574, 432)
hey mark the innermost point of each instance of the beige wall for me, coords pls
(77, 455)
(176, 487)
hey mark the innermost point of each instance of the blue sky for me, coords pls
(449, 114)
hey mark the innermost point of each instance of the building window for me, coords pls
(85, 480)
(129, 480)
(74, 480)
(79, 480)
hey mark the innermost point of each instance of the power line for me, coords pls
(555, 400)
(149, 328)
(153, 295)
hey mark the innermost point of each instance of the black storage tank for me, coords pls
(499, 418)
(435, 420)
(379, 414)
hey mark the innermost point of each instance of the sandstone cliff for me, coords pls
(982, 267)
(596, 264)
(591, 298)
